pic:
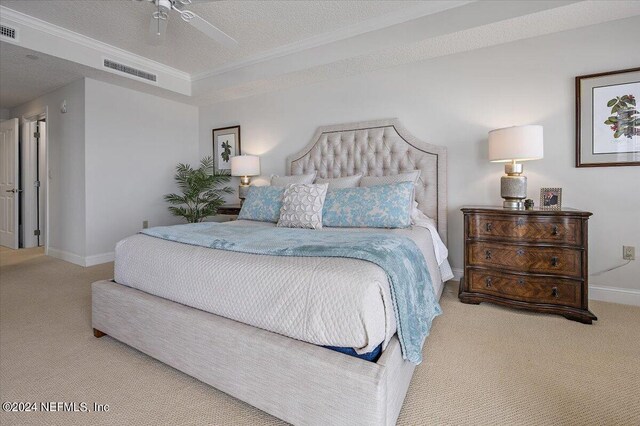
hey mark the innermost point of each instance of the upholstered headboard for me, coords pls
(379, 148)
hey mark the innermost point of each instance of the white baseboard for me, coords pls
(624, 296)
(95, 259)
(66, 256)
(457, 273)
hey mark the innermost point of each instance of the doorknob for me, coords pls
(14, 190)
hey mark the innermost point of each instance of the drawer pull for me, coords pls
(489, 227)
(487, 254)
(554, 261)
(488, 281)
(520, 221)
(554, 230)
(520, 252)
(521, 281)
(554, 292)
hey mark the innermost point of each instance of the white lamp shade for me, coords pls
(245, 165)
(519, 143)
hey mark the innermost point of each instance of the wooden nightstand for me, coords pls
(527, 259)
(230, 209)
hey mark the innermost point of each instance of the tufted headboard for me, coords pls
(378, 148)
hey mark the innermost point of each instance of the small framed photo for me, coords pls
(550, 198)
(226, 144)
(608, 119)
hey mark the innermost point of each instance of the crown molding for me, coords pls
(106, 50)
(394, 18)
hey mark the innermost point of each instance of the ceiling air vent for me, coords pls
(129, 70)
(8, 32)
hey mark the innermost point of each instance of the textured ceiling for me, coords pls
(23, 79)
(571, 16)
(258, 26)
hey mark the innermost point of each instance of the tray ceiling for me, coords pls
(258, 26)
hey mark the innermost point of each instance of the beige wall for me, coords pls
(455, 101)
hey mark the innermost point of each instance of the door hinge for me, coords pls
(36, 135)
(36, 184)
(36, 232)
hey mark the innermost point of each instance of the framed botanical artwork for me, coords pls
(550, 198)
(226, 144)
(607, 119)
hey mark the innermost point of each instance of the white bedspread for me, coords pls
(324, 301)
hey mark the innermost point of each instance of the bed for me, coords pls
(278, 364)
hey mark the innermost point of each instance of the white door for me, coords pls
(9, 191)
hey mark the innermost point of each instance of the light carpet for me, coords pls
(483, 365)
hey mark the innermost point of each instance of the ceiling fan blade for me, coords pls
(157, 31)
(212, 31)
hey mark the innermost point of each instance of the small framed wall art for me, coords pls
(607, 119)
(550, 198)
(226, 144)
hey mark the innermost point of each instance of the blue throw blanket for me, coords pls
(413, 297)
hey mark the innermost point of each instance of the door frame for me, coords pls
(34, 116)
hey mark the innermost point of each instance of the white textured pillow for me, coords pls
(341, 182)
(289, 180)
(386, 180)
(302, 206)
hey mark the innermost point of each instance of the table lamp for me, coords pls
(510, 145)
(245, 166)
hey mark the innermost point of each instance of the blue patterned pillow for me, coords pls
(380, 206)
(263, 203)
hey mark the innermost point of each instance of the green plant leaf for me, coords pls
(201, 195)
(612, 102)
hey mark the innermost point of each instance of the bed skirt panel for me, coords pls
(295, 381)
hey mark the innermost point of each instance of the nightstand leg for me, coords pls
(97, 333)
(466, 297)
(586, 318)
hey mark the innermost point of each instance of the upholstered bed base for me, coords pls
(295, 381)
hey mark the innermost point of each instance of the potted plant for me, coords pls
(200, 196)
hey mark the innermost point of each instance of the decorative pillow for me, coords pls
(385, 180)
(381, 206)
(341, 182)
(285, 181)
(262, 203)
(302, 206)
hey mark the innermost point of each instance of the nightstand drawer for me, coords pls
(528, 229)
(526, 288)
(544, 260)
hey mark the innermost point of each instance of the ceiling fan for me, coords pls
(159, 18)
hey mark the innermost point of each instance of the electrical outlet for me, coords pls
(628, 252)
(145, 224)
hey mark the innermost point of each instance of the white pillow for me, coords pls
(341, 182)
(385, 180)
(288, 180)
(302, 206)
